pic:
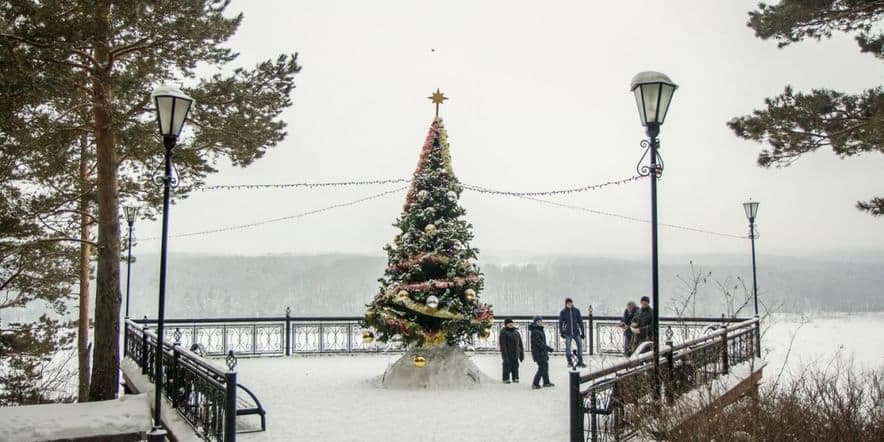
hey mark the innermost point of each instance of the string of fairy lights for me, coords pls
(529, 196)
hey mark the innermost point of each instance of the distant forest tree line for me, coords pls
(224, 286)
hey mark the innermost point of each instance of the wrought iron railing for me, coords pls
(202, 393)
(286, 335)
(609, 404)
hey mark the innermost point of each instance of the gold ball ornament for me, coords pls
(367, 337)
(485, 333)
(430, 229)
(403, 294)
(422, 194)
(470, 294)
(420, 361)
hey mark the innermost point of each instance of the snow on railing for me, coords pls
(615, 397)
(201, 392)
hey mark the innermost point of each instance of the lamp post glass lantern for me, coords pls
(653, 93)
(172, 107)
(131, 214)
(751, 209)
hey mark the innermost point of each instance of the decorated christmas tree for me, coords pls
(429, 293)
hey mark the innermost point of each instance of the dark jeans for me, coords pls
(511, 367)
(542, 372)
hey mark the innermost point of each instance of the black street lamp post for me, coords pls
(653, 93)
(172, 108)
(131, 213)
(751, 209)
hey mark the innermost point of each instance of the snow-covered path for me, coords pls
(332, 398)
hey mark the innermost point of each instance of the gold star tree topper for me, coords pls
(437, 97)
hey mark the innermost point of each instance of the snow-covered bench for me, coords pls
(124, 419)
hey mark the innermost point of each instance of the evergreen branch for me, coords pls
(73, 240)
(69, 50)
(126, 49)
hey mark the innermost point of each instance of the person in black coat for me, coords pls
(540, 353)
(511, 351)
(645, 319)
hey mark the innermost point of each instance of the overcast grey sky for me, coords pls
(539, 100)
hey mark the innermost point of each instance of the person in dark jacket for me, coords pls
(645, 319)
(628, 316)
(511, 351)
(571, 328)
(540, 353)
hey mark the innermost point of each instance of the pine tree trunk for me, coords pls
(106, 363)
(83, 346)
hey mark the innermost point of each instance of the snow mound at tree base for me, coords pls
(446, 367)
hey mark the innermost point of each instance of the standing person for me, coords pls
(628, 339)
(645, 319)
(540, 353)
(571, 327)
(511, 351)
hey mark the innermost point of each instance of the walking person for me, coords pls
(625, 322)
(540, 353)
(511, 351)
(571, 328)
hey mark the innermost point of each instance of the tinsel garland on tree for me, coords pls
(429, 293)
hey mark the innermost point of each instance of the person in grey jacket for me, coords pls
(571, 328)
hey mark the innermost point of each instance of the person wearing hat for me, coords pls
(645, 319)
(511, 350)
(571, 328)
(540, 353)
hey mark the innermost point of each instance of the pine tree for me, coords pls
(69, 68)
(429, 293)
(795, 123)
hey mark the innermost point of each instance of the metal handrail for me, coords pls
(683, 367)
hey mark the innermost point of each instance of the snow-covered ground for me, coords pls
(334, 397)
(821, 339)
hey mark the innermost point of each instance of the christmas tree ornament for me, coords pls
(432, 302)
(430, 229)
(485, 333)
(451, 196)
(420, 361)
(402, 294)
(470, 295)
(422, 195)
(367, 337)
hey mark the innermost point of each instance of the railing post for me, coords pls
(144, 349)
(590, 333)
(230, 403)
(757, 337)
(593, 419)
(174, 375)
(576, 406)
(125, 336)
(725, 363)
(670, 371)
(288, 331)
